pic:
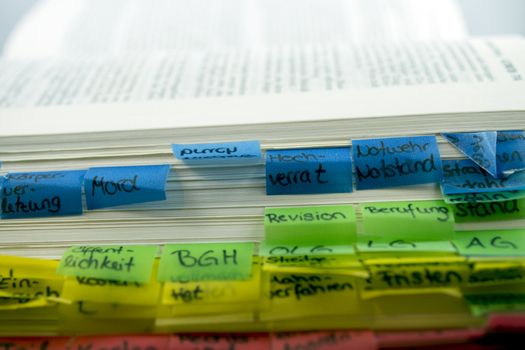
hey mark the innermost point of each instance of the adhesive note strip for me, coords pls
(42, 194)
(129, 263)
(417, 221)
(490, 211)
(483, 304)
(205, 261)
(464, 176)
(333, 340)
(490, 243)
(244, 152)
(510, 151)
(310, 226)
(480, 147)
(123, 342)
(308, 170)
(244, 341)
(114, 186)
(483, 197)
(404, 246)
(397, 161)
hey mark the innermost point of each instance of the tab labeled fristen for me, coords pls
(396, 161)
(237, 152)
(129, 263)
(308, 171)
(206, 261)
(41, 194)
(114, 186)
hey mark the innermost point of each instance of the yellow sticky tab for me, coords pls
(29, 267)
(89, 310)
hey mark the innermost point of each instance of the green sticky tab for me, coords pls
(129, 263)
(419, 221)
(206, 261)
(404, 246)
(483, 197)
(310, 226)
(483, 304)
(490, 243)
(266, 249)
(490, 211)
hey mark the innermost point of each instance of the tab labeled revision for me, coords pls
(238, 152)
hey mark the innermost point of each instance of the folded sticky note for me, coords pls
(245, 152)
(205, 261)
(510, 151)
(416, 221)
(130, 263)
(396, 161)
(465, 176)
(113, 186)
(308, 170)
(310, 226)
(490, 242)
(480, 147)
(39, 194)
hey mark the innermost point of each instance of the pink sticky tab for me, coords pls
(122, 342)
(332, 340)
(415, 338)
(219, 342)
(35, 343)
(514, 322)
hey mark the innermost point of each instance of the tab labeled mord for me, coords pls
(205, 261)
(480, 147)
(490, 243)
(417, 221)
(397, 161)
(243, 152)
(310, 226)
(308, 170)
(129, 263)
(41, 194)
(114, 186)
(510, 152)
(465, 176)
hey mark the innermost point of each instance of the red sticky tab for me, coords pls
(512, 322)
(333, 340)
(414, 338)
(35, 343)
(219, 342)
(122, 342)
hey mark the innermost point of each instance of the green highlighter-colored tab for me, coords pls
(490, 243)
(404, 246)
(129, 263)
(310, 226)
(205, 261)
(483, 304)
(417, 221)
(490, 211)
(483, 197)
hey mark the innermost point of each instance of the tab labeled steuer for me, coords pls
(41, 194)
(490, 243)
(129, 263)
(478, 146)
(417, 221)
(206, 261)
(114, 186)
(310, 226)
(465, 176)
(243, 152)
(308, 170)
(397, 161)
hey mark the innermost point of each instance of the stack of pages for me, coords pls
(284, 167)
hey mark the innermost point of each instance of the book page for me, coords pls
(98, 27)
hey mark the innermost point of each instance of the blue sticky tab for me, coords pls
(397, 161)
(308, 170)
(113, 186)
(245, 152)
(510, 152)
(478, 146)
(465, 176)
(41, 194)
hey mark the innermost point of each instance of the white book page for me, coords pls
(477, 75)
(57, 28)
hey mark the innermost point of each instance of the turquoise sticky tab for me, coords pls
(308, 170)
(396, 161)
(465, 176)
(510, 152)
(42, 194)
(114, 186)
(480, 147)
(244, 152)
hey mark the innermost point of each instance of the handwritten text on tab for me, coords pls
(246, 152)
(396, 161)
(205, 261)
(308, 170)
(510, 151)
(478, 146)
(113, 186)
(39, 194)
(129, 263)
(490, 242)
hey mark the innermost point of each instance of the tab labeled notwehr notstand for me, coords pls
(308, 171)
